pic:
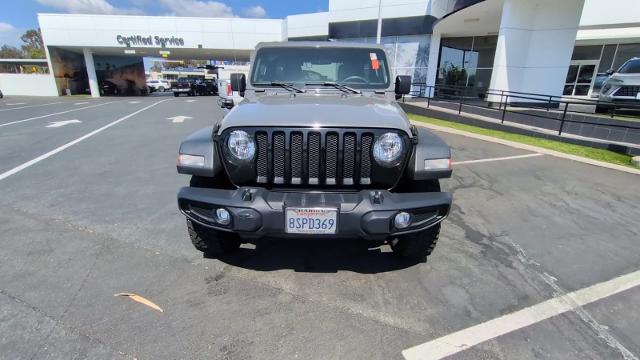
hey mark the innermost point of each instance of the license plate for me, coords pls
(311, 221)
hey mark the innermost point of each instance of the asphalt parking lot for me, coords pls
(88, 198)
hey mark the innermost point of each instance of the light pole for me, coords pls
(379, 22)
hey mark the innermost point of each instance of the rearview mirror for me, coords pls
(238, 83)
(403, 84)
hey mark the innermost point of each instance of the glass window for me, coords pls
(357, 67)
(626, 52)
(582, 90)
(455, 51)
(591, 52)
(606, 62)
(586, 73)
(485, 48)
(479, 78)
(572, 73)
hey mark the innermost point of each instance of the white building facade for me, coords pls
(535, 46)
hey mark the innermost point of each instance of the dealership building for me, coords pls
(554, 47)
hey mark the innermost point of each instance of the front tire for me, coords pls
(212, 243)
(176, 94)
(416, 245)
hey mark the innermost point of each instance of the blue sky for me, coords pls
(15, 19)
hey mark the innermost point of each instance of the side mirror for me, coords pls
(403, 85)
(238, 83)
(610, 72)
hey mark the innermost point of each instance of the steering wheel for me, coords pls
(355, 77)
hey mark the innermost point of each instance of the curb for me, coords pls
(528, 147)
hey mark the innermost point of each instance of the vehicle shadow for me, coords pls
(317, 256)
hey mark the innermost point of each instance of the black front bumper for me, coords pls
(367, 214)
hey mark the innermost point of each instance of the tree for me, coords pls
(10, 52)
(33, 47)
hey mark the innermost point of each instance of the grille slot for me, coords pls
(349, 158)
(296, 157)
(314, 158)
(365, 159)
(278, 157)
(262, 169)
(331, 163)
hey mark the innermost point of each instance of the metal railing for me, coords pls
(543, 105)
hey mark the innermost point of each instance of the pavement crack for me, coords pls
(600, 330)
(57, 322)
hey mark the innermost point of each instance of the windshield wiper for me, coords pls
(283, 85)
(341, 87)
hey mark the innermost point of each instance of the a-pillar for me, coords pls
(535, 43)
(91, 73)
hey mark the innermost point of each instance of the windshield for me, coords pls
(630, 67)
(355, 67)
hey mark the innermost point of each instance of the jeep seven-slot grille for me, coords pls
(315, 157)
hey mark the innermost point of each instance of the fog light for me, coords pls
(402, 220)
(223, 217)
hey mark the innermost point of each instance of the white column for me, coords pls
(432, 66)
(535, 43)
(91, 72)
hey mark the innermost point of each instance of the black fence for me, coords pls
(562, 114)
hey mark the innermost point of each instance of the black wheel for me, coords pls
(417, 245)
(212, 242)
(176, 94)
(160, 89)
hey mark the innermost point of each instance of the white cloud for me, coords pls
(197, 8)
(88, 7)
(10, 35)
(255, 12)
(4, 27)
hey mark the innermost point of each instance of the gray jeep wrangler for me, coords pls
(318, 147)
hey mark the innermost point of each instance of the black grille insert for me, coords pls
(330, 157)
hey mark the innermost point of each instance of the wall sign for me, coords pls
(139, 40)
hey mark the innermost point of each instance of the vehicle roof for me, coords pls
(327, 44)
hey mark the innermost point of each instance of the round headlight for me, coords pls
(241, 145)
(388, 149)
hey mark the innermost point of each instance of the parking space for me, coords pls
(99, 217)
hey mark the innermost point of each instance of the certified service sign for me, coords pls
(139, 40)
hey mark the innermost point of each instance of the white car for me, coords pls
(227, 97)
(158, 85)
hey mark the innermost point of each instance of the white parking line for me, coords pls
(54, 114)
(495, 159)
(69, 144)
(469, 337)
(30, 106)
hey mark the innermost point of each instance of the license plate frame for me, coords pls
(311, 214)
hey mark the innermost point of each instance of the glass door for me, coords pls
(580, 78)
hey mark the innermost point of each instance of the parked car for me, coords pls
(158, 85)
(108, 88)
(327, 159)
(185, 86)
(622, 86)
(1, 94)
(206, 87)
(227, 96)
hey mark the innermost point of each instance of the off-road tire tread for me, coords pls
(212, 242)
